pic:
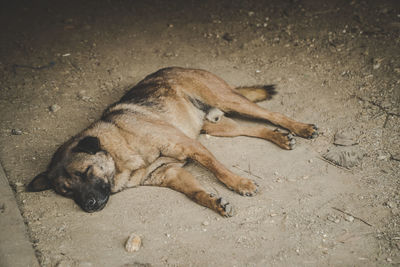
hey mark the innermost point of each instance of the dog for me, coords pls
(147, 136)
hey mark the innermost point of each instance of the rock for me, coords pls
(390, 204)
(344, 156)
(349, 218)
(82, 95)
(85, 264)
(16, 132)
(64, 263)
(54, 108)
(133, 243)
(205, 223)
(19, 184)
(333, 219)
(382, 157)
(228, 37)
(344, 139)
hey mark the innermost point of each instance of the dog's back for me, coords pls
(181, 97)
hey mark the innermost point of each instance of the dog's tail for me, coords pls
(257, 93)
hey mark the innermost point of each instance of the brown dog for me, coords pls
(146, 137)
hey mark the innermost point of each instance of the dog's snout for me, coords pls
(91, 203)
(93, 197)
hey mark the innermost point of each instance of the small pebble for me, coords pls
(16, 132)
(228, 37)
(349, 218)
(54, 108)
(390, 204)
(205, 223)
(133, 243)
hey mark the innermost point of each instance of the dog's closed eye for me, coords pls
(79, 174)
(66, 191)
(83, 175)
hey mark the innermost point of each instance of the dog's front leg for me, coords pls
(177, 178)
(192, 149)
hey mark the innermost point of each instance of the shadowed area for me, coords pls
(333, 63)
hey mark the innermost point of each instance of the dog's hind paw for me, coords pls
(246, 187)
(306, 130)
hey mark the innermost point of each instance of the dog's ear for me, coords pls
(40, 183)
(89, 144)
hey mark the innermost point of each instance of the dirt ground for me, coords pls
(335, 63)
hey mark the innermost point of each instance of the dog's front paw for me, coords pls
(284, 140)
(224, 208)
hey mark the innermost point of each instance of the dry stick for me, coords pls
(237, 167)
(394, 158)
(381, 108)
(334, 164)
(386, 120)
(358, 218)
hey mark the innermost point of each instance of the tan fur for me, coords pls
(254, 94)
(152, 131)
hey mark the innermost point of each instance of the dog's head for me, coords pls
(82, 170)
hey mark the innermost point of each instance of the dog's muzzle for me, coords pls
(93, 197)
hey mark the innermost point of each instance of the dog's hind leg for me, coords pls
(230, 128)
(179, 179)
(232, 102)
(215, 92)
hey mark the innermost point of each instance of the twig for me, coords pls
(334, 164)
(381, 108)
(15, 66)
(386, 120)
(355, 217)
(394, 158)
(237, 167)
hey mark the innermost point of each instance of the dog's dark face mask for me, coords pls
(84, 172)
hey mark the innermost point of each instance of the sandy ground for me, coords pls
(335, 63)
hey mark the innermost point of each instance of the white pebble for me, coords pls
(133, 243)
(349, 218)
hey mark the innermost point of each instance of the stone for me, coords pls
(344, 156)
(133, 243)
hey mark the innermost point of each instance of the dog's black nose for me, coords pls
(90, 203)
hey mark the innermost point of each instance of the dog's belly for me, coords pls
(184, 116)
